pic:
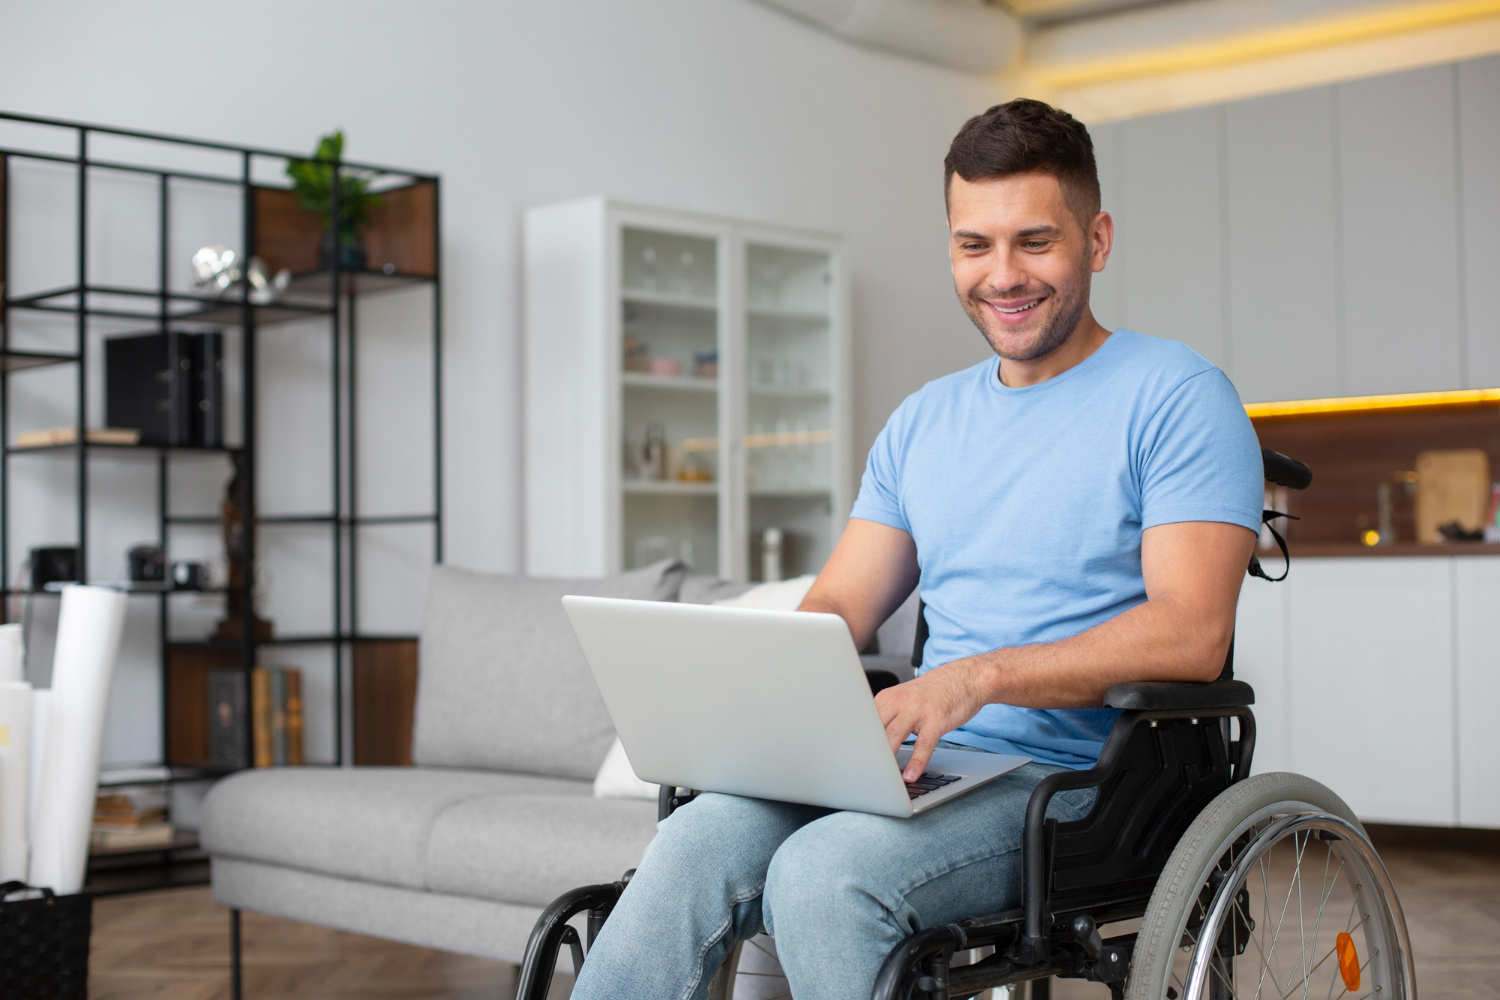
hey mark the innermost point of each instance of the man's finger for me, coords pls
(897, 730)
(920, 755)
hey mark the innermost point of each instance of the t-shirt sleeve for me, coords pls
(1200, 458)
(879, 497)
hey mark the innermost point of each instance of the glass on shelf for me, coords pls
(669, 267)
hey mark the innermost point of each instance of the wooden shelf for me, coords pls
(400, 236)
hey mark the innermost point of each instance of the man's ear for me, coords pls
(1101, 240)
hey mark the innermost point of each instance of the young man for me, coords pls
(1078, 511)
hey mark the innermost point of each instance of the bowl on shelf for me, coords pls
(668, 367)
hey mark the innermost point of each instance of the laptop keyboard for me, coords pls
(930, 781)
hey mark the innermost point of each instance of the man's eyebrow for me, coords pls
(1039, 231)
(968, 234)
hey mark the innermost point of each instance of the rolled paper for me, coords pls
(15, 776)
(88, 641)
(12, 657)
(41, 711)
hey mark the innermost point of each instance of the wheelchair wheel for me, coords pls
(1274, 890)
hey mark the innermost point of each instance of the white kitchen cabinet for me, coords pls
(1171, 223)
(1399, 216)
(1370, 690)
(1260, 661)
(1477, 623)
(1282, 293)
(687, 388)
(1479, 163)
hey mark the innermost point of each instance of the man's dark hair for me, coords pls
(1023, 136)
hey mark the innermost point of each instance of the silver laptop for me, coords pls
(768, 704)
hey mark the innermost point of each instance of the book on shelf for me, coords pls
(276, 716)
(49, 437)
(146, 836)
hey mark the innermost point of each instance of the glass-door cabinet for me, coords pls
(686, 393)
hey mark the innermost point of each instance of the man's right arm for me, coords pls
(871, 571)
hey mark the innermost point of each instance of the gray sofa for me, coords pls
(462, 851)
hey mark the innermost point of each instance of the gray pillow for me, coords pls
(503, 684)
(699, 588)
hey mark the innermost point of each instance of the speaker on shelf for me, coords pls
(169, 386)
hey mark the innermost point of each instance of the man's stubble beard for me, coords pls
(1057, 329)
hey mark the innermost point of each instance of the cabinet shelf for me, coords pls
(670, 488)
(669, 300)
(671, 383)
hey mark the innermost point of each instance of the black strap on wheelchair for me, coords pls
(1266, 517)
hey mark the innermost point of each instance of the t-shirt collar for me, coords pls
(992, 373)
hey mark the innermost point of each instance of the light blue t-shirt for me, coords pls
(1027, 506)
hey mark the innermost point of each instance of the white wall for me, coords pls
(721, 106)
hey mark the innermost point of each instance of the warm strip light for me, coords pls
(1266, 44)
(1365, 404)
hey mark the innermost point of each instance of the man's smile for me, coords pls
(1012, 312)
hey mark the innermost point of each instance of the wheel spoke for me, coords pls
(1324, 892)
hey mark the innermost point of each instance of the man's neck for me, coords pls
(1086, 338)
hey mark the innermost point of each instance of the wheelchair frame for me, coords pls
(1170, 753)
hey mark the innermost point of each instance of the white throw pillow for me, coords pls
(616, 778)
(784, 595)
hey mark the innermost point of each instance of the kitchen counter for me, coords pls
(1322, 549)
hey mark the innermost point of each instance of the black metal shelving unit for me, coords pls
(325, 291)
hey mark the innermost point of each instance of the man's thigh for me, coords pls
(723, 842)
(957, 860)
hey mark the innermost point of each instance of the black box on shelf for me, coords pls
(148, 386)
(53, 564)
(208, 390)
(228, 725)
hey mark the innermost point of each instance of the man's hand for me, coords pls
(931, 705)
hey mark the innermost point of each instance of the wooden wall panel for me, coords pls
(385, 701)
(402, 231)
(1350, 454)
(286, 234)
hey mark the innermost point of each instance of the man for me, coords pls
(1078, 511)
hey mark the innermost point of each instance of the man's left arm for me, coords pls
(1192, 572)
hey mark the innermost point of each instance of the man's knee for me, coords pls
(827, 873)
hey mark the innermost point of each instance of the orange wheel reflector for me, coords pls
(1348, 960)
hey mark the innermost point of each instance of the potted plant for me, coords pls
(312, 180)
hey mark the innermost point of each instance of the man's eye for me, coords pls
(973, 247)
(1035, 244)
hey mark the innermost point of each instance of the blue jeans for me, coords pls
(837, 890)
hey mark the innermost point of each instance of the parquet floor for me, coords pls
(173, 944)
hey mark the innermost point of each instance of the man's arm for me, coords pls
(871, 571)
(1182, 632)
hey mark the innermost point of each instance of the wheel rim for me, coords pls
(1268, 921)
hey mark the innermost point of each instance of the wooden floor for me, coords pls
(173, 944)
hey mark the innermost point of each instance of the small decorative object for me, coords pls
(654, 454)
(216, 269)
(188, 575)
(53, 564)
(232, 518)
(665, 367)
(637, 358)
(312, 180)
(147, 564)
(706, 363)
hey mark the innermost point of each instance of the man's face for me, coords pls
(1021, 261)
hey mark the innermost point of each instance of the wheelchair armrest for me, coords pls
(1149, 696)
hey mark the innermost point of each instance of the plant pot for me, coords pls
(352, 253)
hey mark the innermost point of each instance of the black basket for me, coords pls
(44, 945)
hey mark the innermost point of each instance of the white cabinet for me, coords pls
(1260, 660)
(1477, 589)
(1399, 209)
(687, 388)
(1283, 247)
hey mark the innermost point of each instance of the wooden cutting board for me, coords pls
(1451, 486)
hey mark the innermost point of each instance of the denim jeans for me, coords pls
(837, 890)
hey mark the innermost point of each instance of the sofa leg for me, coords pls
(234, 955)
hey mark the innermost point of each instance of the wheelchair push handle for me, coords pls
(1285, 471)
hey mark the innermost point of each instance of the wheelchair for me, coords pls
(1190, 879)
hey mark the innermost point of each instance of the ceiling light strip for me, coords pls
(1267, 44)
(1372, 404)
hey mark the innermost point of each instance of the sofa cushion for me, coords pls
(370, 823)
(503, 684)
(532, 848)
(700, 588)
